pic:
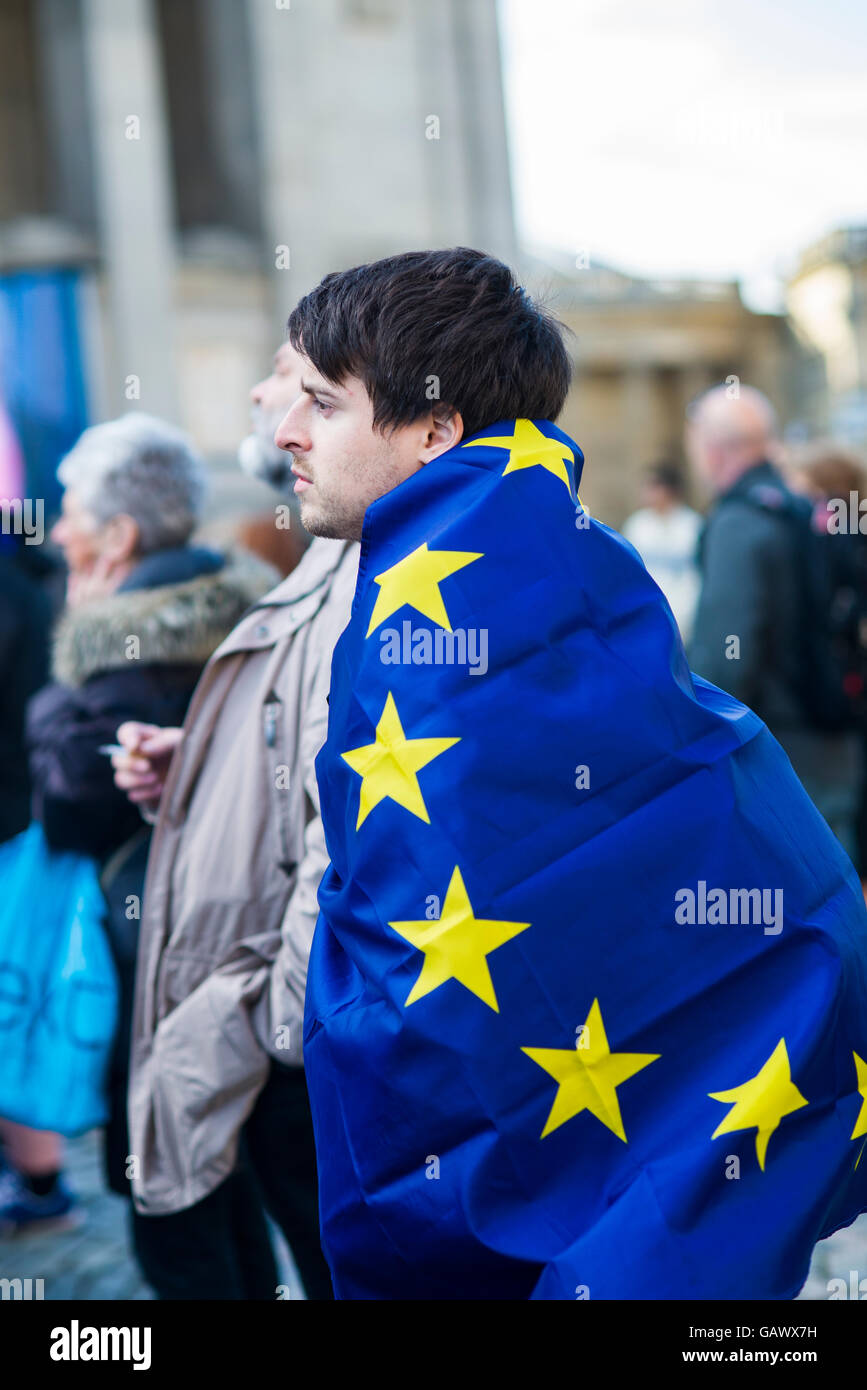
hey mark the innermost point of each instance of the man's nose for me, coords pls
(289, 435)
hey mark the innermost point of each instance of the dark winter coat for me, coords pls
(135, 654)
(751, 591)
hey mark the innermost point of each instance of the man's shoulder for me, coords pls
(750, 532)
(324, 579)
(762, 491)
(319, 566)
(760, 509)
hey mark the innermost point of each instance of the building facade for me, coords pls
(177, 172)
(826, 298)
(643, 349)
(199, 164)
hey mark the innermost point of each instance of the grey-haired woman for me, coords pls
(145, 609)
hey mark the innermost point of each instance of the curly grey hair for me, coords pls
(144, 467)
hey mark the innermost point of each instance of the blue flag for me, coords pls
(587, 1001)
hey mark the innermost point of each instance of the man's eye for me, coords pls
(322, 406)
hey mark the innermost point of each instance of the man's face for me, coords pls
(341, 463)
(657, 497)
(700, 455)
(271, 397)
(77, 533)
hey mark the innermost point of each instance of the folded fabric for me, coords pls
(587, 999)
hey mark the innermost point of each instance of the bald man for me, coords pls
(748, 636)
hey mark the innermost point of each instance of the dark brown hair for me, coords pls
(427, 327)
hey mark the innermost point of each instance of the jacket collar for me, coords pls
(761, 475)
(316, 568)
(294, 602)
(174, 624)
(174, 565)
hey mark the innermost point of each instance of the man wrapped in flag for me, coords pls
(587, 1000)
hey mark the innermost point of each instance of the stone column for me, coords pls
(133, 178)
(229, 92)
(480, 86)
(381, 129)
(693, 380)
(299, 145)
(59, 51)
(639, 434)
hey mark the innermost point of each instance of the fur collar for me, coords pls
(176, 624)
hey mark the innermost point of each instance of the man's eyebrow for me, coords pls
(313, 389)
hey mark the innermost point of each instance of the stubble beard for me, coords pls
(331, 521)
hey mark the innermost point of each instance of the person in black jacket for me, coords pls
(145, 610)
(748, 635)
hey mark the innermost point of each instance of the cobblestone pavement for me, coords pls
(94, 1261)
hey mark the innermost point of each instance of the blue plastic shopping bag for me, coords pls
(58, 988)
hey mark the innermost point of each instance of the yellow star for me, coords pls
(529, 447)
(861, 1122)
(588, 1077)
(415, 581)
(762, 1101)
(456, 946)
(388, 767)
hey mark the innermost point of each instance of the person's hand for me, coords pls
(142, 770)
(82, 586)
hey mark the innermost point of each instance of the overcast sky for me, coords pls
(687, 137)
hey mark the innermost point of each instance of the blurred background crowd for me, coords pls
(176, 173)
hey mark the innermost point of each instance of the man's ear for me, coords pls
(121, 539)
(445, 429)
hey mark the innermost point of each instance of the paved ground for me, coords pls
(841, 1256)
(94, 1262)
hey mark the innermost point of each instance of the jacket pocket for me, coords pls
(274, 731)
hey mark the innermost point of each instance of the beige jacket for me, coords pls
(230, 894)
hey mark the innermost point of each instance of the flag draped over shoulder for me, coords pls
(587, 1001)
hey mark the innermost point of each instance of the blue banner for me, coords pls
(41, 371)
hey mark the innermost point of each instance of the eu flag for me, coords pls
(587, 1000)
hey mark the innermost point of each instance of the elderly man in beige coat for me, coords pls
(228, 915)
